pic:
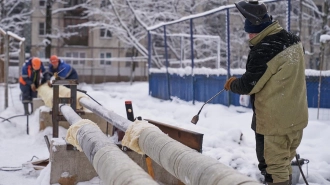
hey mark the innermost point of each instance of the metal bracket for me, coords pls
(72, 100)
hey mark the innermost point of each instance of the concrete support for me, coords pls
(71, 161)
(75, 163)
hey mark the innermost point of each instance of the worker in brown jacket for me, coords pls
(275, 79)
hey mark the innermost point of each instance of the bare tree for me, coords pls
(14, 15)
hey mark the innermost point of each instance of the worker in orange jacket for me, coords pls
(31, 79)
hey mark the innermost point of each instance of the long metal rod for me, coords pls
(228, 50)
(6, 71)
(149, 50)
(167, 65)
(289, 16)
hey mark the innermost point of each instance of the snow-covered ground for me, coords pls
(222, 128)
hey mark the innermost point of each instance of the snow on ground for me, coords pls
(222, 127)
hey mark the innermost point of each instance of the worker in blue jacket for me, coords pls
(32, 77)
(64, 70)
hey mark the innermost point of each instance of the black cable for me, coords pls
(85, 92)
(7, 119)
(302, 173)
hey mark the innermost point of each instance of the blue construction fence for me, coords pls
(202, 87)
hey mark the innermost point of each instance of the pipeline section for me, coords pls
(111, 164)
(184, 163)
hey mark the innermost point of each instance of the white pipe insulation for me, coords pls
(112, 165)
(113, 118)
(184, 163)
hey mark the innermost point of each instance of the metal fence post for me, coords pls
(192, 59)
(228, 41)
(6, 68)
(181, 51)
(167, 64)
(228, 48)
(149, 51)
(219, 53)
(289, 16)
(192, 44)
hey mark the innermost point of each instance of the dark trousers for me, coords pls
(260, 155)
(27, 93)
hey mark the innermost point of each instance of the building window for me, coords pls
(79, 56)
(104, 33)
(42, 28)
(42, 3)
(104, 56)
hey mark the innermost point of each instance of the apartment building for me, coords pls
(92, 52)
(88, 52)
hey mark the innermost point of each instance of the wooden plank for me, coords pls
(189, 138)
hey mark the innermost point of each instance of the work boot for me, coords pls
(26, 108)
(279, 183)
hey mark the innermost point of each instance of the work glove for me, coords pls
(49, 83)
(228, 82)
(33, 87)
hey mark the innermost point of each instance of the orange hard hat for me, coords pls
(53, 59)
(36, 63)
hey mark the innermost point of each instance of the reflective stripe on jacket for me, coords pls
(28, 77)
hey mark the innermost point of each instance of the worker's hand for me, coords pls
(49, 83)
(33, 87)
(228, 82)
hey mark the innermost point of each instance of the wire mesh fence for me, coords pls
(214, 43)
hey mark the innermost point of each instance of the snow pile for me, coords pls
(227, 133)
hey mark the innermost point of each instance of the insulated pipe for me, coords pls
(184, 163)
(70, 115)
(187, 164)
(111, 164)
(111, 117)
